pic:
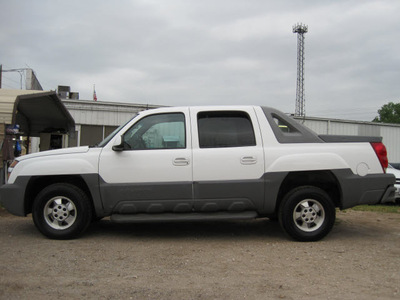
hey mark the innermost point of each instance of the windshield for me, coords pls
(112, 134)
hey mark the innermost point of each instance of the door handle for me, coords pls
(181, 161)
(248, 160)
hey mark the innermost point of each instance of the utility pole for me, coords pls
(300, 29)
(1, 74)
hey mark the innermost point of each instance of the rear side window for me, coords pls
(219, 129)
(283, 125)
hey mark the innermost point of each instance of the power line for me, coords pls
(8, 86)
(15, 81)
(21, 72)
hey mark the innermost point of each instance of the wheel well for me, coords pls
(324, 180)
(36, 184)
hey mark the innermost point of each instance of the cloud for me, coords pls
(187, 52)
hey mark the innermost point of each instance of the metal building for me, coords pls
(389, 132)
(96, 120)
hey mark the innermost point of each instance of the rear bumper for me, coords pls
(370, 189)
(390, 195)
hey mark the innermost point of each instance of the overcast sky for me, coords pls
(192, 52)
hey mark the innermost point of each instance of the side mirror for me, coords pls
(118, 144)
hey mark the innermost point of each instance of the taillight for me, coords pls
(381, 152)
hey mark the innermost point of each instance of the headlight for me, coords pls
(11, 168)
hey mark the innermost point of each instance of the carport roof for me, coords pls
(35, 112)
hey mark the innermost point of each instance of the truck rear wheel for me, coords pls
(307, 213)
(62, 211)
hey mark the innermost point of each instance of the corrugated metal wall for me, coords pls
(101, 113)
(95, 120)
(391, 139)
(389, 132)
(331, 127)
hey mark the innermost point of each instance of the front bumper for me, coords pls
(12, 196)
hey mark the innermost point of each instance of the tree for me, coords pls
(389, 113)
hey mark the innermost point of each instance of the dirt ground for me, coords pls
(359, 259)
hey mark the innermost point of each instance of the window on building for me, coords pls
(73, 139)
(225, 129)
(91, 135)
(108, 130)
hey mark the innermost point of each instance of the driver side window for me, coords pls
(162, 131)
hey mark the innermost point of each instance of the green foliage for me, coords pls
(388, 208)
(389, 113)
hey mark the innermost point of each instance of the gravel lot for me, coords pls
(360, 259)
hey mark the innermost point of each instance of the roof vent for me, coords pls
(63, 91)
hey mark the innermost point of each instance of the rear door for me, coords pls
(228, 160)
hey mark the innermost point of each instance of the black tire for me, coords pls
(307, 214)
(273, 218)
(62, 211)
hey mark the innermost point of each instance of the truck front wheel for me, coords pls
(307, 213)
(61, 211)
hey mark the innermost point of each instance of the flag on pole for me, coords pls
(94, 93)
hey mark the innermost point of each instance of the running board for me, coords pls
(180, 217)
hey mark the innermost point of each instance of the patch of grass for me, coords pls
(388, 208)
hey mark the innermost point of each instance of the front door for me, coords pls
(153, 172)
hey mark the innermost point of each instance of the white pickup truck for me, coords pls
(201, 163)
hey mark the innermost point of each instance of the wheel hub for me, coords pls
(309, 215)
(60, 212)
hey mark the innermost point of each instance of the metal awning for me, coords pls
(35, 112)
